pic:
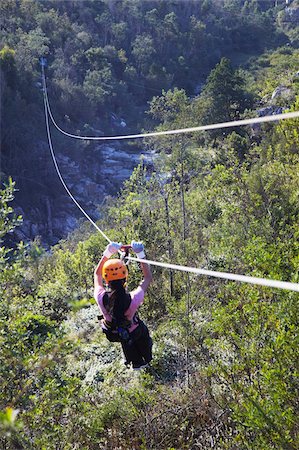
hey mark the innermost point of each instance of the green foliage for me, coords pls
(143, 51)
(30, 47)
(106, 59)
(168, 106)
(7, 221)
(256, 332)
(225, 372)
(8, 65)
(277, 68)
(10, 428)
(225, 95)
(98, 85)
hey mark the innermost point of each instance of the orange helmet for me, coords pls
(114, 269)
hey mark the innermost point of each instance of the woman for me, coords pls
(119, 308)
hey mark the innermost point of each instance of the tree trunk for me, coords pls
(49, 217)
(170, 252)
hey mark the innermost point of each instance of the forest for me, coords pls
(225, 369)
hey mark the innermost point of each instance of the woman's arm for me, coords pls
(147, 273)
(111, 248)
(98, 280)
(138, 248)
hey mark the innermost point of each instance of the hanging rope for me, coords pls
(224, 275)
(215, 126)
(57, 168)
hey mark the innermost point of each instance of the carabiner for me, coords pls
(125, 253)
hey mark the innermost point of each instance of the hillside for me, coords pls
(106, 60)
(224, 373)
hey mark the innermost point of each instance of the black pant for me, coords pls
(138, 349)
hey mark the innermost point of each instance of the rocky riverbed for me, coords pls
(90, 181)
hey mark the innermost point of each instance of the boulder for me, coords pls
(292, 14)
(90, 181)
(282, 91)
(269, 111)
(262, 112)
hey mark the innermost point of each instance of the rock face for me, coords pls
(269, 111)
(90, 181)
(292, 14)
(282, 92)
(282, 95)
(262, 112)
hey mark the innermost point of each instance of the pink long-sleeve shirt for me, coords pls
(137, 297)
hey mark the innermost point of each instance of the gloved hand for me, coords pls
(138, 248)
(111, 248)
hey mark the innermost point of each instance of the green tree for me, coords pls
(168, 106)
(99, 86)
(8, 66)
(120, 31)
(30, 48)
(143, 51)
(225, 95)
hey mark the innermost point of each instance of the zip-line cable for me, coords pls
(60, 176)
(215, 126)
(224, 275)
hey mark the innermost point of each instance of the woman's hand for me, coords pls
(111, 248)
(138, 248)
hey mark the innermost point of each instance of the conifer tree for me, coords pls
(225, 95)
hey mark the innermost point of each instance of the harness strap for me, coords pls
(113, 325)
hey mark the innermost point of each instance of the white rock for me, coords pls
(281, 91)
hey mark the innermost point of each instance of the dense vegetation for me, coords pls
(106, 60)
(225, 368)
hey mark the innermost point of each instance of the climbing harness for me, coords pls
(115, 330)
